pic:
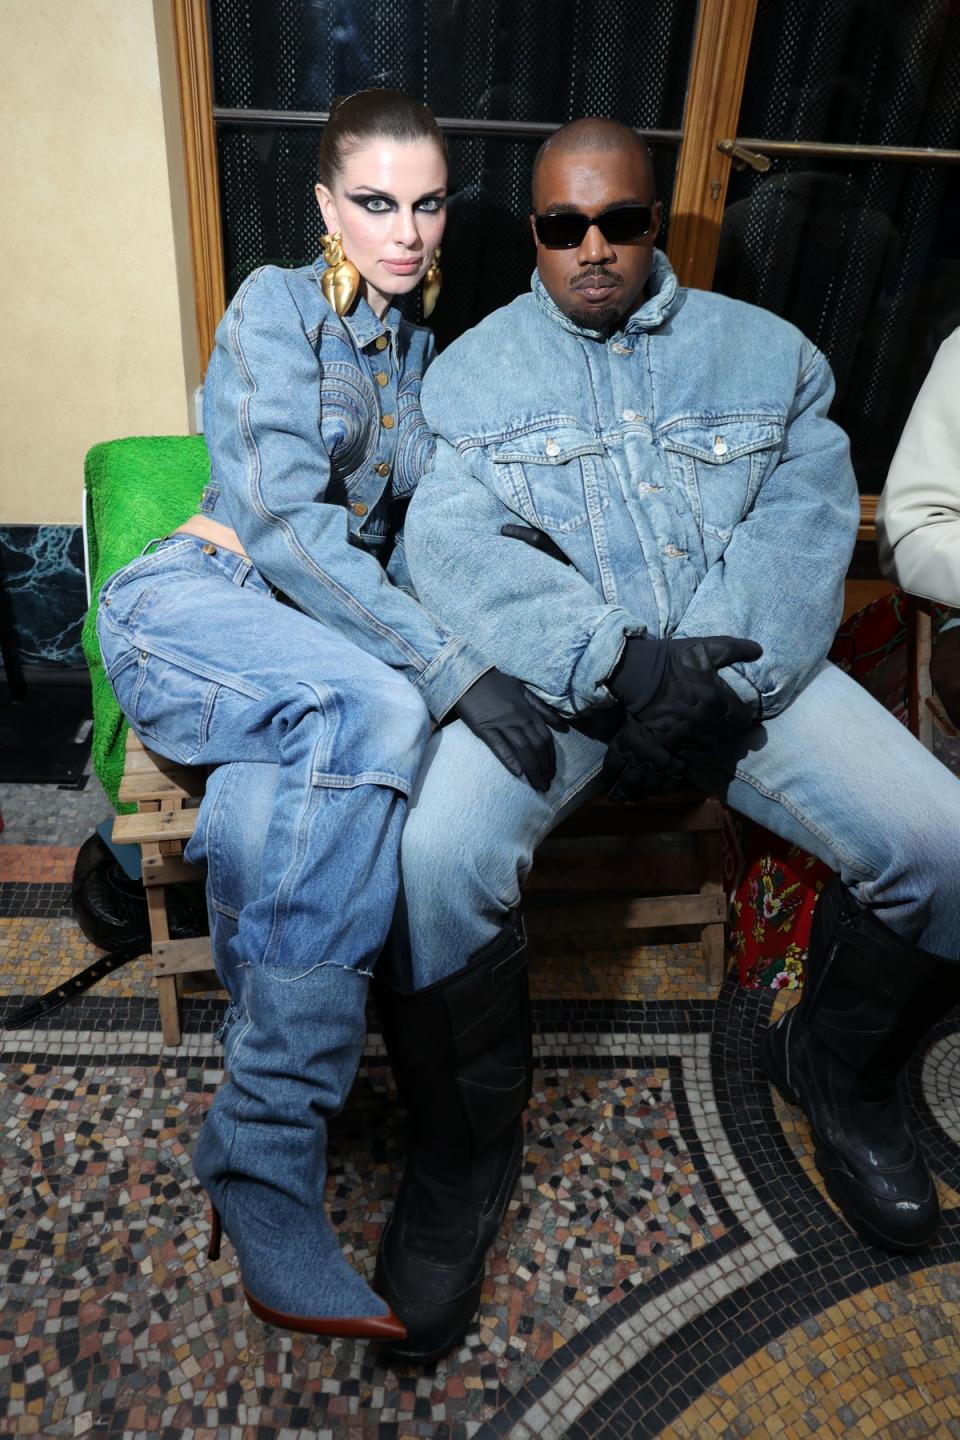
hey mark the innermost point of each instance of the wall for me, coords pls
(98, 333)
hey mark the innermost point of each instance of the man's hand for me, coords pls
(674, 688)
(636, 765)
(514, 724)
(676, 705)
(945, 672)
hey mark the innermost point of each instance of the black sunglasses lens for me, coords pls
(561, 232)
(628, 222)
(620, 226)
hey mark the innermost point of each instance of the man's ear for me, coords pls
(656, 220)
(328, 208)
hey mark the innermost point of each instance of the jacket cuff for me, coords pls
(450, 675)
(588, 683)
(743, 688)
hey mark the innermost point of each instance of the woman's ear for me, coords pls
(328, 208)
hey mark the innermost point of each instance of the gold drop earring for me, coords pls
(432, 282)
(341, 280)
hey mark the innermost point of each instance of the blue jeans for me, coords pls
(316, 742)
(834, 773)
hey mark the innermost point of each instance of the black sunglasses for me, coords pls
(621, 225)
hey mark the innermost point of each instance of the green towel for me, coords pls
(137, 490)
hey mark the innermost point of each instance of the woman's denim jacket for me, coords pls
(316, 443)
(685, 465)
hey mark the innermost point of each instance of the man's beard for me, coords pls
(597, 317)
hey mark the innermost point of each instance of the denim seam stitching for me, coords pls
(791, 809)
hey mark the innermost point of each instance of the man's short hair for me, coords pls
(593, 132)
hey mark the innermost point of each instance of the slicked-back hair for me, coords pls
(379, 114)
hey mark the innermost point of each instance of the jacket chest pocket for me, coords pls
(720, 464)
(555, 478)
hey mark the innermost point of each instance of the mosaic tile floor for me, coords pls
(670, 1266)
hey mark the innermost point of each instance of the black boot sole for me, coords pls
(470, 1298)
(823, 1160)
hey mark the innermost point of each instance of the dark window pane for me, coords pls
(270, 215)
(863, 257)
(855, 72)
(537, 60)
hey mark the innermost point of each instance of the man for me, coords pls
(640, 509)
(918, 517)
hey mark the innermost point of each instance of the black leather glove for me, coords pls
(637, 765)
(676, 704)
(514, 724)
(674, 688)
(538, 539)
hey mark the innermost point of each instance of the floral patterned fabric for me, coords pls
(778, 883)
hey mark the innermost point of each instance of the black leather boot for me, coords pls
(867, 1002)
(461, 1053)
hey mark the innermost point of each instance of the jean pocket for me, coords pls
(169, 707)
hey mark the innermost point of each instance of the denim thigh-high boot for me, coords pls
(211, 670)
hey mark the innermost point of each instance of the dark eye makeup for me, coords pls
(376, 203)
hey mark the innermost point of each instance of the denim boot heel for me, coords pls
(461, 1054)
(868, 1000)
(261, 1156)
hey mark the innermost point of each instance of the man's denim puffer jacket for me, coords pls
(317, 441)
(686, 467)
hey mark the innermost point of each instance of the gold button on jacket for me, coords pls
(382, 378)
(387, 422)
(381, 342)
(358, 508)
(383, 469)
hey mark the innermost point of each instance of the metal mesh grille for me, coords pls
(543, 60)
(533, 60)
(862, 256)
(270, 215)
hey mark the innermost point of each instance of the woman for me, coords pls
(271, 637)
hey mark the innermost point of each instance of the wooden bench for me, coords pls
(166, 796)
(585, 878)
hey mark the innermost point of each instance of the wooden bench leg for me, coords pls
(712, 937)
(167, 993)
(713, 944)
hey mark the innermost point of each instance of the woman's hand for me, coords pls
(514, 724)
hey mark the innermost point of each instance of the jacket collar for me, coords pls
(660, 302)
(363, 325)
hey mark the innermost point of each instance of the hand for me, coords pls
(538, 539)
(514, 724)
(672, 686)
(945, 672)
(636, 765)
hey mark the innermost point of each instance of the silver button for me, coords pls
(673, 552)
(619, 349)
(719, 445)
(649, 489)
(630, 415)
(552, 448)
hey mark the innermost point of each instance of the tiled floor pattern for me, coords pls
(670, 1266)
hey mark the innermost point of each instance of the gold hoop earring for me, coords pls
(432, 282)
(341, 280)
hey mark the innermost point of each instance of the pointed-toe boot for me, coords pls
(291, 1058)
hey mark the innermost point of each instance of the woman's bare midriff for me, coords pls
(207, 529)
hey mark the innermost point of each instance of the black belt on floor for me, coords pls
(35, 1009)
